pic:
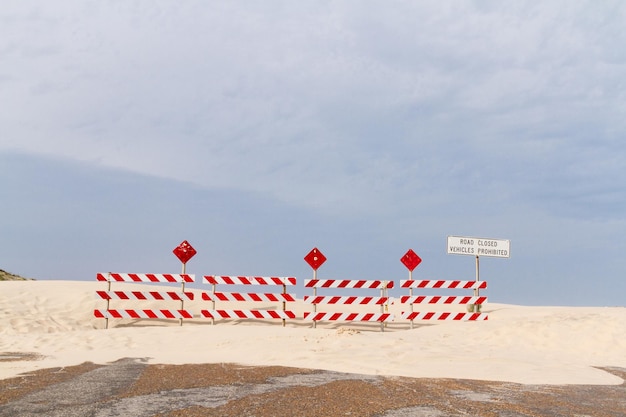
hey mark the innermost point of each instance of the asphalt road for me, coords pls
(130, 387)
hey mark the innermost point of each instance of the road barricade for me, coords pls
(163, 296)
(282, 298)
(315, 300)
(421, 300)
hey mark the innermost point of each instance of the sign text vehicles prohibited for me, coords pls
(478, 246)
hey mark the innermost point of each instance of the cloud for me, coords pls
(427, 118)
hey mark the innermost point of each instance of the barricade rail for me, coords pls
(109, 295)
(280, 313)
(316, 300)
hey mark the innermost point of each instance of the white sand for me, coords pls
(530, 345)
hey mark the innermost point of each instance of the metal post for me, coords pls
(382, 306)
(213, 304)
(314, 295)
(108, 301)
(182, 295)
(411, 296)
(476, 290)
(284, 303)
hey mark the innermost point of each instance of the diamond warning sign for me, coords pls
(315, 258)
(411, 260)
(184, 251)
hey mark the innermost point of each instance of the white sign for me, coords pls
(479, 246)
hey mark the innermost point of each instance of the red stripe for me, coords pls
(116, 314)
(133, 314)
(98, 314)
(103, 294)
(168, 314)
(101, 277)
(335, 316)
(367, 317)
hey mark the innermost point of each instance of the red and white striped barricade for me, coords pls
(442, 300)
(214, 296)
(315, 300)
(109, 295)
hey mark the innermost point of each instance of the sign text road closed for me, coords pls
(479, 246)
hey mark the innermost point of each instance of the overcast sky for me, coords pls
(258, 130)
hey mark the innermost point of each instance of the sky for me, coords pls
(260, 130)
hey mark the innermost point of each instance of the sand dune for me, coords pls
(530, 345)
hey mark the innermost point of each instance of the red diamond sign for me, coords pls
(315, 258)
(184, 251)
(411, 260)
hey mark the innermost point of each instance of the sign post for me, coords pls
(184, 252)
(478, 246)
(315, 259)
(411, 260)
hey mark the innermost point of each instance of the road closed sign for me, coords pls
(479, 246)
